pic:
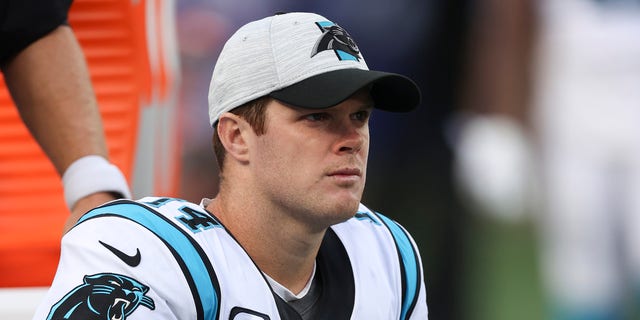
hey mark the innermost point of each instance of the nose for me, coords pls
(351, 138)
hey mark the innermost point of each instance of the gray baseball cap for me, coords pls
(302, 59)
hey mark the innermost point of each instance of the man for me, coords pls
(133, 79)
(286, 237)
(52, 102)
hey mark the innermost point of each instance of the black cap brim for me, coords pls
(390, 91)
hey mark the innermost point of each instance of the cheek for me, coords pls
(364, 151)
(365, 146)
(278, 157)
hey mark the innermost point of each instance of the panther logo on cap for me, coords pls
(337, 39)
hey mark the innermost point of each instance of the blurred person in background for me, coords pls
(587, 106)
(51, 138)
(554, 92)
(48, 78)
(61, 61)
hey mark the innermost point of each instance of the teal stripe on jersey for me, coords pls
(174, 237)
(410, 264)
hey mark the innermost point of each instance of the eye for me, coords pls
(317, 116)
(361, 115)
(114, 283)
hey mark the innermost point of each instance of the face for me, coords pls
(312, 164)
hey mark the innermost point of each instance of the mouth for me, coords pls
(346, 174)
(120, 300)
(119, 307)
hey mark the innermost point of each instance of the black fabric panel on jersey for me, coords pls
(285, 311)
(138, 218)
(24, 21)
(305, 305)
(334, 276)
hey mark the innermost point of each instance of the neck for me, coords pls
(281, 247)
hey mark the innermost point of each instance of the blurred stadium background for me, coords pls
(476, 227)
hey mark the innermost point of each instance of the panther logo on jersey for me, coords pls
(102, 296)
(337, 39)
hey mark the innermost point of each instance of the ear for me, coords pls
(233, 132)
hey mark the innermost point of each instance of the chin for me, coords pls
(344, 210)
(333, 209)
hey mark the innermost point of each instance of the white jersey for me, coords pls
(165, 258)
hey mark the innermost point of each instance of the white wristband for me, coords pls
(91, 174)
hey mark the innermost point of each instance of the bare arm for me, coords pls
(500, 59)
(50, 85)
(494, 131)
(49, 82)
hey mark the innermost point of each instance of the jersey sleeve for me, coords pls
(112, 267)
(420, 310)
(414, 297)
(25, 21)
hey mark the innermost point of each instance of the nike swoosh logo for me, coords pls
(132, 261)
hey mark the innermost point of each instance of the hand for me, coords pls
(495, 166)
(85, 204)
